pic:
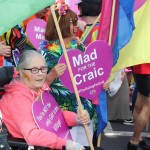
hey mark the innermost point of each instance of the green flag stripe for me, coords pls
(13, 12)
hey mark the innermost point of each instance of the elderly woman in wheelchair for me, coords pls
(16, 105)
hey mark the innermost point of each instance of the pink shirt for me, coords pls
(16, 105)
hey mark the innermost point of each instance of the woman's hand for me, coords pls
(106, 85)
(5, 50)
(56, 72)
(83, 117)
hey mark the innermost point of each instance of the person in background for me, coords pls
(42, 14)
(89, 11)
(15, 41)
(141, 112)
(16, 105)
(52, 53)
(119, 98)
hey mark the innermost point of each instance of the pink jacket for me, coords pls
(16, 108)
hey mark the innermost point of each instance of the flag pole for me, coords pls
(112, 22)
(71, 74)
(84, 38)
(99, 140)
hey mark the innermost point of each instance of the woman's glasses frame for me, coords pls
(36, 70)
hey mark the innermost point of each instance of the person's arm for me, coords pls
(70, 118)
(5, 50)
(21, 108)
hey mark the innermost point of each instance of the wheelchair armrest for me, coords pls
(16, 142)
(22, 143)
(1, 89)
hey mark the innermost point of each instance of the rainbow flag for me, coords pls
(138, 50)
(15, 11)
(123, 25)
(1, 57)
(105, 20)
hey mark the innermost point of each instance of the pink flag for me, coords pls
(122, 24)
(105, 20)
(138, 4)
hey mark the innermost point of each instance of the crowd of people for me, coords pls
(38, 72)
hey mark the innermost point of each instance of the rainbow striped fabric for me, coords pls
(92, 35)
(138, 50)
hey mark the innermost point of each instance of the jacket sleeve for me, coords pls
(21, 108)
(70, 118)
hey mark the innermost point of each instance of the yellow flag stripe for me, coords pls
(137, 51)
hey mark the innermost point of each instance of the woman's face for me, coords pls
(73, 26)
(32, 76)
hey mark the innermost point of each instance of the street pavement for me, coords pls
(116, 136)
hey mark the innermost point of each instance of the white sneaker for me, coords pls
(128, 121)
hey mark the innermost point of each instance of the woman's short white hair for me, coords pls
(26, 56)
